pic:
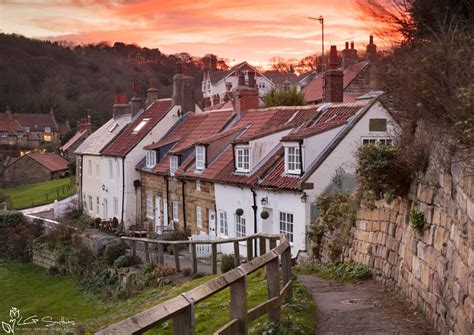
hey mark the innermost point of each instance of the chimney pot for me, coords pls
(333, 61)
(371, 39)
(347, 45)
(352, 45)
(179, 68)
(120, 104)
(152, 83)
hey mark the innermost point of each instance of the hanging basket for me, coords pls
(264, 215)
(239, 211)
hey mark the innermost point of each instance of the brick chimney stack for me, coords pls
(245, 97)
(333, 79)
(136, 101)
(371, 53)
(183, 89)
(84, 124)
(151, 93)
(120, 105)
(349, 56)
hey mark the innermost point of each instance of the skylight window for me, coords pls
(114, 126)
(141, 125)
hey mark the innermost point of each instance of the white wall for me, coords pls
(261, 147)
(313, 146)
(220, 87)
(91, 184)
(229, 198)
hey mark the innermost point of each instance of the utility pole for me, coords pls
(321, 20)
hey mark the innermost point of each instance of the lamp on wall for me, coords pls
(304, 197)
(264, 201)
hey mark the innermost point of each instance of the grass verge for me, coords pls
(42, 193)
(344, 272)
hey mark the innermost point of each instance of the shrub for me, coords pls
(122, 261)
(342, 272)
(15, 242)
(11, 218)
(61, 234)
(187, 271)
(284, 97)
(380, 170)
(164, 270)
(113, 251)
(417, 220)
(227, 263)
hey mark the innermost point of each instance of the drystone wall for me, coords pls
(43, 256)
(435, 268)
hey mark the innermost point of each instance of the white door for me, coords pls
(165, 212)
(158, 214)
(212, 223)
(105, 210)
(267, 224)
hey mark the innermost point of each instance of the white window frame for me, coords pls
(200, 157)
(292, 160)
(242, 164)
(91, 204)
(149, 206)
(377, 140)
(150, 158)
(199, 216)
(140, 125)
(198, 185)
(287, 225)
(175, 211)
(240, 226)
(115, 206)
(173, 164)
(223, 224)
(97, 204)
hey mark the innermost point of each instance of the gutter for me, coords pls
(123, 188)
(300, 144)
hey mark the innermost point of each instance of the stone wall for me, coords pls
(43, 256)
(434, 269)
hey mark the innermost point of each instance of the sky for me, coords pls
(252, 30)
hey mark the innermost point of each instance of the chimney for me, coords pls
(244, 97)
(84, 124)
(241, 81)
(216, 99)
(251, 79)
(349, 56)
(8, 111)
(151, 93)
(371, 53)
(120, 105)
(136, 101)
(333, 79)
(183, 90)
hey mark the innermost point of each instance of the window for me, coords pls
(286, 225)
(377, 140)
(198, 185)
(261, 85)
(111, 170)
(89, 166)
(243, 159)
(377, 124)
(115, 206)
(175, 211)
(173, 164)
(224, 227)
(3, 134)
(385, 141)
(150, 158)
(293, 163)
(97, 171)
(141, 125)
(149, 205)
(105, 209)
(97, 200)
(47, 129)
(47, 137)
(84, 202)
(240, 227)
(91, 205)
(199, 216)
(27, 129)
(200, 157)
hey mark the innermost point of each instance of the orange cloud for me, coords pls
(244, 30)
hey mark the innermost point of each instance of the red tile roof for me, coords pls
(313, 92)
(51, 161)
(276, 177)
(73, 139)
(37, 122)
(11, 127)
(129, 138)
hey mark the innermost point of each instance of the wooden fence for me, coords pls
(181, 309)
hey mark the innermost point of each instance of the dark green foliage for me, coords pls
(351, 271)
(417, 220)
(227, 263)
(122, 261)
(380, 170)
(101, 282)
(16, 236)
(66, 137)
(11, 218)
(113, 251)
(72, 168)
(284, 97)
(75, 259)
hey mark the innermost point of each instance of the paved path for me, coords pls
(364, 308)
(63, 205)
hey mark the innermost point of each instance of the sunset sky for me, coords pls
(253, 30)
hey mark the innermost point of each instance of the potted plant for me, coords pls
(239, 211)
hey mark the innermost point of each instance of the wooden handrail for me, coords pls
(181, 308)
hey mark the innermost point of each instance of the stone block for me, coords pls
(425, 275)
(416, 267)
(420, 250)
(440, 238)
(431, 235)
(384, 226)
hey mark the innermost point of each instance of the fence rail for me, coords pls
(181, 308)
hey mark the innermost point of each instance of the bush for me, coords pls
(15, 242)
(351, 271)
(380, 170)
(164, 270)
(122, 261)
(11, 218)
(417, 220)
(227, 263)
(113, 251)
(284, 97)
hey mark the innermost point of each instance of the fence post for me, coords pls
(249, 249)
(193, 254)
(273, 244)
(214, 258)
(238, 304)
(147, 254)
(161, 254)
(286, 270)
(263, 245)
(134, 251)
(273, 285)
(183, 322)
(236, 254)
(176, 257)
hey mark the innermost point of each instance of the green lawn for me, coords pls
(37, 194)
(27, 287)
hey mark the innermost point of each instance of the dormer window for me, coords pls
(200, 157)
(150, 158)
(292, 160)
(173, 164)
(47, 129)
(242, 157)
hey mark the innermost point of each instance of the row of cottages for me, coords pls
(108, 182)
(32, 130)
(256, 170)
